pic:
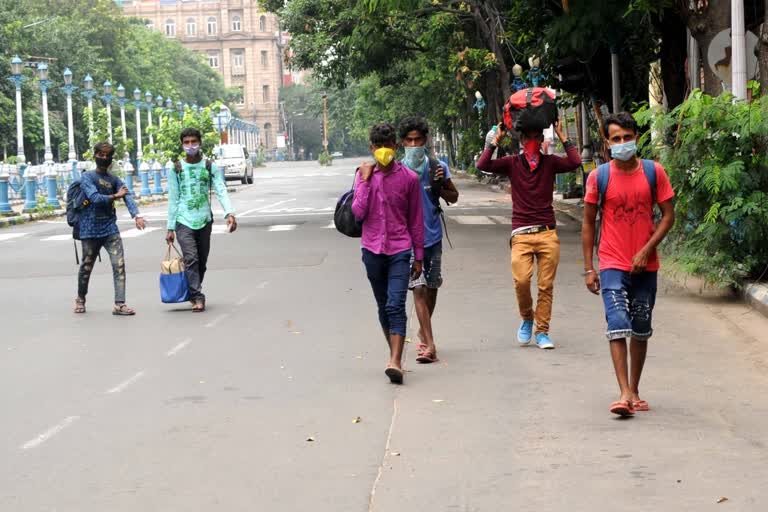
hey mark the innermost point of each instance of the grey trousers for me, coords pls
(195, 246)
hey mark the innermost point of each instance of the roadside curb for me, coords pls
(756, 294)
(23, 218)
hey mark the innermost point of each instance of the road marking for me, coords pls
(135, 232)
(473, 219)
(49, 433)
(123, 385)
(178, 348)
(246, 212)
(11, 236)
(57, 238)
(500, 219)
(282, 227)
(279, 215)
(216, 320)
(273, 205)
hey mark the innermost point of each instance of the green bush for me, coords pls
(716, 153)
(325, 158)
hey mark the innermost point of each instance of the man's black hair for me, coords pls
(382, 134)
(623, 119)
(191, 132)
(410, 124)
(101, 146)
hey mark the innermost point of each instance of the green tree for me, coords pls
(91, 37)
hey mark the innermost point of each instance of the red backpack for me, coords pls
(530, 109)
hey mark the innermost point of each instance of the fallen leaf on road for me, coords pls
(295, 332)
(723, 499)
(310, 439)
(202, 382)
(407, 340)
(438, 401)
(358, 357)
(395, 454)
(357, 419)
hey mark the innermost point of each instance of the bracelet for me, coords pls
(587, 272)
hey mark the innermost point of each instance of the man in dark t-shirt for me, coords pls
(534, 236)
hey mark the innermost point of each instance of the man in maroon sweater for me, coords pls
(532, 177)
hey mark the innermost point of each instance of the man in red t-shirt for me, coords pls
(627, 252)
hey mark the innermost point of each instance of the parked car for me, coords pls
(337, 154)
(234, 160)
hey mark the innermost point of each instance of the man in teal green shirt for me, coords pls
(190, 216)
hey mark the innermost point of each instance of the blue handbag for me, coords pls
(174, 286)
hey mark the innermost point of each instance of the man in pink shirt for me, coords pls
(625, 192)
(387, 199)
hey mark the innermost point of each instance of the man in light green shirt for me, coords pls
(190, 217)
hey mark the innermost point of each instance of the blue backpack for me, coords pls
(76, 201)
(604, 175)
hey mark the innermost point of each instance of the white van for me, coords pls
(233, 159)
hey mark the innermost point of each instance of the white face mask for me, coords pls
(415, 158)
(625, 151)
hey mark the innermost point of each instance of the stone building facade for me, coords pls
(238, 40)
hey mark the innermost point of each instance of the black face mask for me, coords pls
(104, 163)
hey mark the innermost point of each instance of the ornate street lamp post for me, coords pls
(128, 169)
(88, 92)
(17, 78)
(108, 105)
(143, 167)
(42, 75)
(69, 89)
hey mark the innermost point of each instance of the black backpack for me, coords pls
(345, 221)
(434, 195)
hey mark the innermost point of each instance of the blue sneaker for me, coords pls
(525, 332)
(543, 341)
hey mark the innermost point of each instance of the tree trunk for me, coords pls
(674, 46)
(705, 24)
(480, 12)
(762, 55)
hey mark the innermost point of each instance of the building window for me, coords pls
(170, 28)
(268, 134)
(240, 98)
(263, 24)
(237, 24)
(264, 59)
(212, 26)
(265, 93)
(213, 60)
(238, 62)
(191, 27)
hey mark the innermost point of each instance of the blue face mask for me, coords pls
(624, 152)
(415, 158)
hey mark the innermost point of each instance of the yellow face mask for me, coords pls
(384, 156)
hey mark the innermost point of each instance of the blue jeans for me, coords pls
(389, 275)
(629, 300)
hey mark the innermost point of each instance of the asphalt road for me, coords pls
(254, 405)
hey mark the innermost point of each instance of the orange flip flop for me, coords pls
(640, 405)
(622, 408)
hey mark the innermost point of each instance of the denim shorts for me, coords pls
(432, 274)
(629, 300)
